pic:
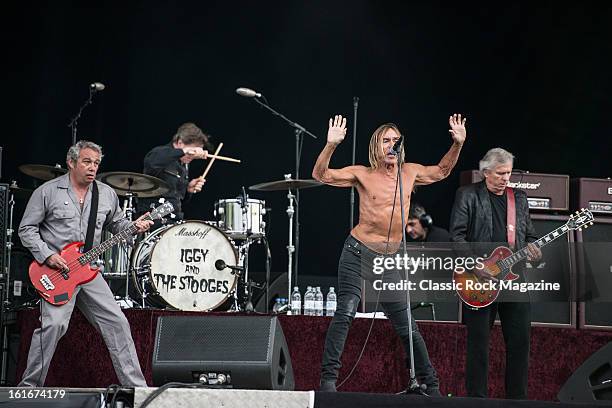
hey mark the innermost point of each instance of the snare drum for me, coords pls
(238, 222)
(175, 266)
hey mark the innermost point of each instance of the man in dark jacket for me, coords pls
(479, 215)
(170, 162)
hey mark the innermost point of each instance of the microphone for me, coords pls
(221, 265)
(97, 86)
(248, 93)
(397, 146)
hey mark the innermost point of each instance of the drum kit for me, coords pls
(189, 265)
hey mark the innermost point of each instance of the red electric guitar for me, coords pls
(502, 259)
(57, 287)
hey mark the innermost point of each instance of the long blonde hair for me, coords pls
(375, 152)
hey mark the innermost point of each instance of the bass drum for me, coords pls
(175, 266)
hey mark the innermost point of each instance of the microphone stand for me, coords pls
(413, 386)
(299, 132)
(352, 199)
(75, 119)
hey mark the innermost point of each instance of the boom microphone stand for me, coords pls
(93, 89)
(413, 386)
(299, 132)
(352, 199)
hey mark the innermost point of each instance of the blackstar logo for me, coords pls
(525, 186)
(610, 190)
(196, 233)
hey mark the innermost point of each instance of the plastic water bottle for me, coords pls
(296, 301)
(309, 302)
(331, 302)
(318, 297)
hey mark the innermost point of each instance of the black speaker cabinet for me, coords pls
(591, 381)
(594, 253)
(557, 265)
(250, 349)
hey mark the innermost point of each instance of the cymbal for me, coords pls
(19, 192)
(141, 185)
(42, 172)
(286, 185)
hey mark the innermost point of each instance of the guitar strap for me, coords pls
(93, 212)
(511, 217)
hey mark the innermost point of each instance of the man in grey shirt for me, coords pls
(57, 215)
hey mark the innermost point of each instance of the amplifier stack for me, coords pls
(594, 253)
(583, 258)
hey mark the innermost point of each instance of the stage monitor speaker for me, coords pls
(557, 265)
(591, 381)
(594, 252)
(251, 350)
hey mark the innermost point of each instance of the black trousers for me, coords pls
(516, 326)
(356, 258)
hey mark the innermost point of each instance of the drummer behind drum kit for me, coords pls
(189, 265)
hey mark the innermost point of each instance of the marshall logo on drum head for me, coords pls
(197, 233)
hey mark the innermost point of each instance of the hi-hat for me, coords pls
(42, 172)
(141, 185)
(288, 184)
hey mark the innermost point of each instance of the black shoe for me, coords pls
(327, 386)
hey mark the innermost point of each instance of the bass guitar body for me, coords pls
(57, 287)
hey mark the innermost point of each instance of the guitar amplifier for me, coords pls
(545, 192)
(558, 264)
(593, 194)
(594, 255)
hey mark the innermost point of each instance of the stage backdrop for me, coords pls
(531, 77)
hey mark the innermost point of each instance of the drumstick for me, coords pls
(229, 159)
(203, 176)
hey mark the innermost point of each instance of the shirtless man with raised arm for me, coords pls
(377, 233)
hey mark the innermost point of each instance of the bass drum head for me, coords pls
(183, 271)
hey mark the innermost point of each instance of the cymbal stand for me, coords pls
(290, 247)
(125, 248)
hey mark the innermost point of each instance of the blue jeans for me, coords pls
(354, 259)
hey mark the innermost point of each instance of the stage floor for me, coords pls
(81, 359)
(228, 398)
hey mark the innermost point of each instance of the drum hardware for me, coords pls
(18, 192)
(248, 306)
(289, 184)
(131, 186)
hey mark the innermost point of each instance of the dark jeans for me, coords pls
(356, 257)
(515, 322)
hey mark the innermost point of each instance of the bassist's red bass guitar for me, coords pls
(57, 286)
